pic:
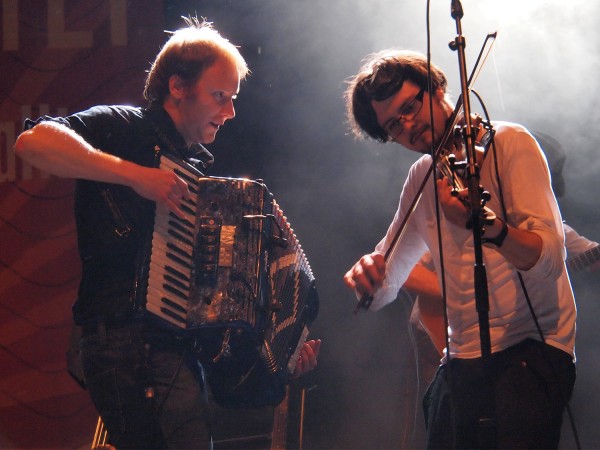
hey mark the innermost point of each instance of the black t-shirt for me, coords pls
(114, 223)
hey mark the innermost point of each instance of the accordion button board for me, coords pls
(233, 275)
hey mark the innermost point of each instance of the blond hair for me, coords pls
(187, 54)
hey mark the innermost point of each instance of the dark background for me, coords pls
(338, 193)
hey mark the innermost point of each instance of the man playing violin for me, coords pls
(517, 399)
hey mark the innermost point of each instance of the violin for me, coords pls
(455, 171)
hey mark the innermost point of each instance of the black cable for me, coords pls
(434, 178)
(522, 281)
(410, 301)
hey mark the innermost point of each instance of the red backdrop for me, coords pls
(57, 57)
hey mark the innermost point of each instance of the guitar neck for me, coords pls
(280, 423)
(579, 262)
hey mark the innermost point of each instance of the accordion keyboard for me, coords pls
(233, 275)
(172, 257)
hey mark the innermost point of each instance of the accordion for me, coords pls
(233, 276)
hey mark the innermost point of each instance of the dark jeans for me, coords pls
(147, 387)
(528, 388)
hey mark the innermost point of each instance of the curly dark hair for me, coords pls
(381, 76)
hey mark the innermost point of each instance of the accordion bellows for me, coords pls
(232, 275)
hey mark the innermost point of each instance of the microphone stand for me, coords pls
(487, 435)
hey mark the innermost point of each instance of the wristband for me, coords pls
(498, 240)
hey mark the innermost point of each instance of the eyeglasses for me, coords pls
(408, 112)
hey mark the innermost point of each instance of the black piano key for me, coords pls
(167, 253)
(175, 291)
(190, 179)
(171, 314)
(173, 281)
(180, 251)
(173, 305)
(157, 292)
(161, 278)
(165, 266)
(178, 260)
(186, 209)
(180, 237)
(162, 236)
(161, 263)
(183, 226)
(190, 202)
(177, 273)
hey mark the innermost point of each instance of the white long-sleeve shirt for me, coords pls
(576, 243)
(530, 205)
